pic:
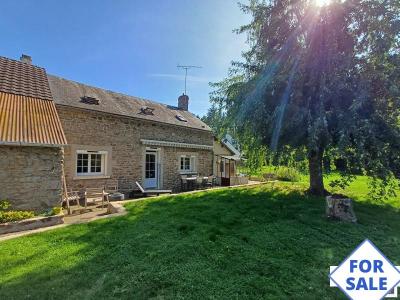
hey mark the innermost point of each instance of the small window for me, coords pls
(181, 118)
(147, 110)
(187, 163)
(90, 163)
(90, 100)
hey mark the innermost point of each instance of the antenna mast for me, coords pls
(186, 68)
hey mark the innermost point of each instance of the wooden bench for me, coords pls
(96, 195)
(69, 197)
(152, 192)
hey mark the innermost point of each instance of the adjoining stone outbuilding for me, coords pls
(227, 159)
(31, 138)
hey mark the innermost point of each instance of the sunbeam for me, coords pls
(280, 110)
(321, 3)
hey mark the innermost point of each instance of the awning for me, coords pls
(232, 157)
(175, 144)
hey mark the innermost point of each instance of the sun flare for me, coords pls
(321, 3)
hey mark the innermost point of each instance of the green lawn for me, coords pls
(358, 189)
(231, 244)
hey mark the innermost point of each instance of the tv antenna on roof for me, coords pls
(186, 68)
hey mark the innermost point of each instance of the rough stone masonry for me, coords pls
(121, 137)
(31, 176)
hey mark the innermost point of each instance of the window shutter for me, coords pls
(193, 163)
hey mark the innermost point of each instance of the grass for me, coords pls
(358, 189)
(258, 242)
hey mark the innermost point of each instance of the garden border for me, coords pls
(32, 223)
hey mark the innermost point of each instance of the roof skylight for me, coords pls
(181, 118)
(147, 110)
(90, 100)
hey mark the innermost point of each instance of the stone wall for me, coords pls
(31, 177)
(120, 137)
(171, 159)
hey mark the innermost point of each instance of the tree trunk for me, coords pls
(316, 177)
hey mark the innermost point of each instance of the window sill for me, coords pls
(83, 177)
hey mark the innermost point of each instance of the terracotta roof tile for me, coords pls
(23, 79)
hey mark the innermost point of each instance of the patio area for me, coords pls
(81, 214)
(89, 200)
(85, 215)
(95, 212)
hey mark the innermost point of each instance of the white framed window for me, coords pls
(91, 163)
(187, 163)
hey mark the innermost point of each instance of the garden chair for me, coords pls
(199, 182)
(111, 187)
(152, 192)
(95, 195)
(210, 181)
(183, 182)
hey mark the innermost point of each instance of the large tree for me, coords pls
(323, 77)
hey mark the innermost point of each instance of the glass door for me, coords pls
(151, 170)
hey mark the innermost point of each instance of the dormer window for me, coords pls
(147, 110)
(90, 100)
(181, 118)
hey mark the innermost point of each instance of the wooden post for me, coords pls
(229, 172)
(65, 192)
(220, 170)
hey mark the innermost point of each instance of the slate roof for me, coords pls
(231, 148)
(70, 93)
(28, 115)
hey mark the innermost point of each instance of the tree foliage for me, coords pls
(324, 78)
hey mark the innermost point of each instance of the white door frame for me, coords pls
(153, 182)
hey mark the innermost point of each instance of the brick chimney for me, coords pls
(26, 59)
(183, 102)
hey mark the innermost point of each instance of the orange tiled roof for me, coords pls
(23, 79)
(27, 111)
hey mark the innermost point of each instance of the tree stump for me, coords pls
(340, 208)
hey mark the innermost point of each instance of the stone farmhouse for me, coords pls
(53, 128)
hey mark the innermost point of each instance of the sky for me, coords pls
(128, 46)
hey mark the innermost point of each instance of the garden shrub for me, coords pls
(53, 211)
(56, 210)
(7, 215)
(269, 176)
(15, 215)
(4, 204)
(287, 174)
